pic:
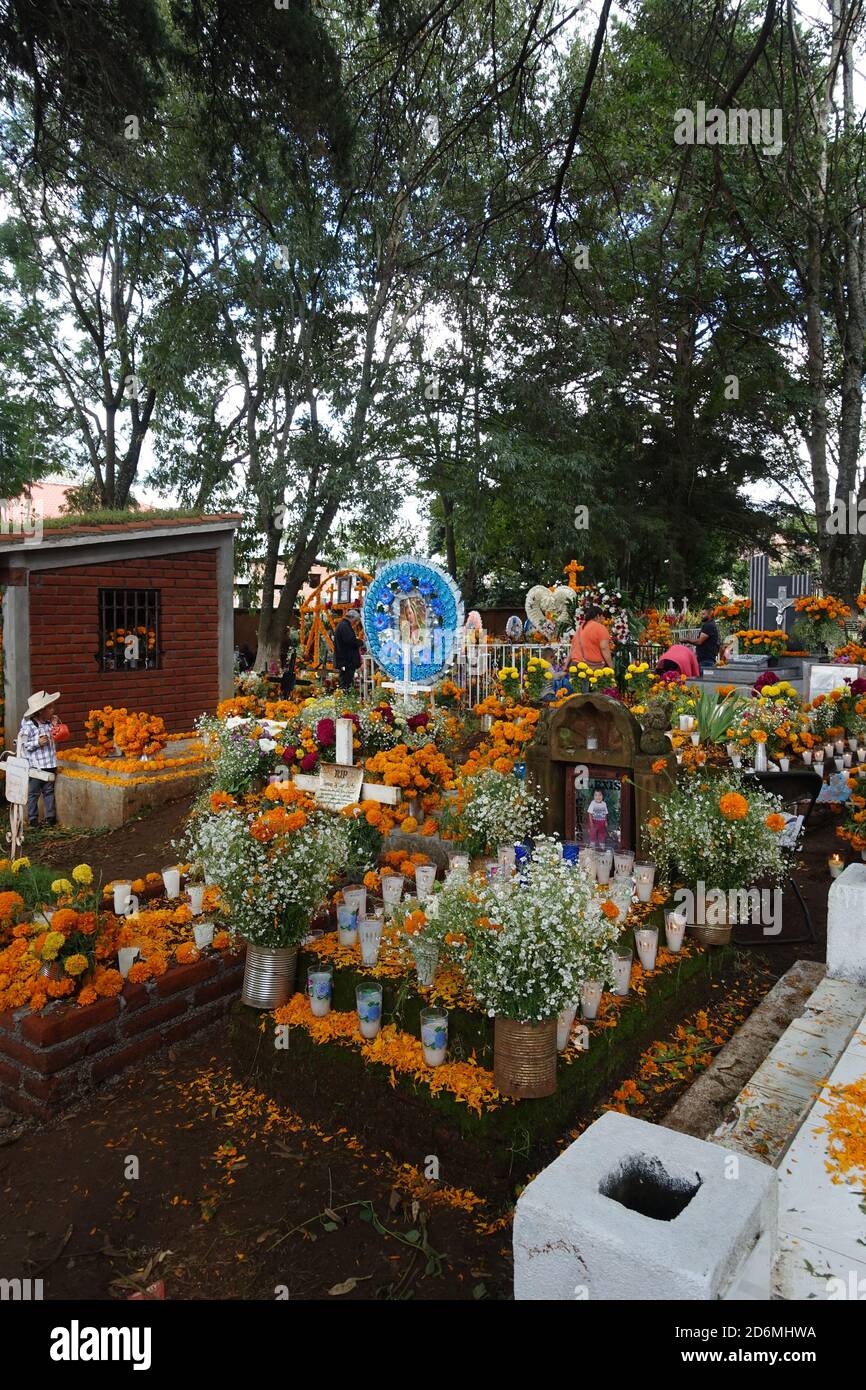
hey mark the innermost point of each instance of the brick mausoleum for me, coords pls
(136, 615)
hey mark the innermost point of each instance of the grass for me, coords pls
(114, 518)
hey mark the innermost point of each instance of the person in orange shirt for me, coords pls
(591, 641)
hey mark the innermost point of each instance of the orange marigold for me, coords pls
(65, 920)
(733, 806)
(108, 983)
(775, 821)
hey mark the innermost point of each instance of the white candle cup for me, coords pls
(603, 865)
(818, 765)
(675, 930)
(589, 860)
(392, 889)
(621, 967)
(644, 879)
(838, 764)
(861, 755)
(203, 934)
(126, 958)
(846, 759)
(592, 741)
(836, 865)
(506, 858)
(564, 1020)
(434, 1036)
(679, 757)
(590, 998)
(807, 756)
(623, 863)
(171, 880)
(425, 877)
(458, 861)
(647, 942)
(370, 933)
(426, 957)
(195, 892)
(784, 764)
(852, 744)
(320, 988)
(123, 897)
(731, 749)
(687, 723)
(736, 760)
(695, 738)
(839, 747)
(347, 925)
(356, 900)
(828, 749)
(368, 1001)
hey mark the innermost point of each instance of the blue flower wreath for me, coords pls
(410, 577)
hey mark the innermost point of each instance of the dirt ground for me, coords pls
(182, 1173)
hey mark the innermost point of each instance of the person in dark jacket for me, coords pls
(347, 648)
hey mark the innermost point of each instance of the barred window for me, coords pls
(129, 629)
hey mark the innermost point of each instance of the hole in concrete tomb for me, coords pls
(642, 1183)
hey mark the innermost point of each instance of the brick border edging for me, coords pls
(49, 1061)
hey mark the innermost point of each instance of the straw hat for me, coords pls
(38, 700)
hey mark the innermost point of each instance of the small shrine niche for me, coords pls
(589, 745)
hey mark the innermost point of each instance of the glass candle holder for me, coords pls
(368, 1001)
(434, 1036)
(807, 756)
(347, 925)
(195, 893)
(828, 748)
(426, 957)
(171, 881)
(459, 861)
(675, 930)
(647, 941)
(836, 865)
(564, 1020)
(425, 877)
(623, 861)
(839, 746)
(846, 759)
(603, 865)
(861, 755)
(589, 860)
(644, 879)
(392, 889)
(620, 961)
(590, 997)
(126, 958)
(356, 900)
(370, 934)
(852, 744)
(784, 764)
(203, 933)
(506, 858)
(320, 989)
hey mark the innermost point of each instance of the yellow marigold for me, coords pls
(733, 806)
(75, 965)
(19, 864)
(60, 887)
(82, 873)
(408, 825)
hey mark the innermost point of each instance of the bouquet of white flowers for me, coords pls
(274, 864)
(539, 940)
(492, 808)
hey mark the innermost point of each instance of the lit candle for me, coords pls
(846, 759)
(839, 746)
(836, 865)
(644, 878)
(621, 969)
(861, 755)
(647, 942)
(807, 756)
(675, 928)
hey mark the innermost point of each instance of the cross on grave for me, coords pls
(340, 784)
(572, 569)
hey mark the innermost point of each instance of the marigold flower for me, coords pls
(733, 806)
(82, 873)
(75, 965)
(775, 821)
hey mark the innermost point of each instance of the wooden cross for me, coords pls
(572, 569)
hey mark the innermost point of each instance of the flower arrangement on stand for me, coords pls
(583, 678)
(656, 629)
(759, 642)
(509, 682)
(638, 680)
(536, 676)
(821, 621)
(722, 834)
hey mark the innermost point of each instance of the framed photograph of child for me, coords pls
(599, 809)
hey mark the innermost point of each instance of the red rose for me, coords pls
(309, 762)
(289, 755)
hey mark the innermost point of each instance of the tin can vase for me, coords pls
(524, 1058)
(269, 976)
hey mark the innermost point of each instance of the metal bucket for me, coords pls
(269, 976)
(524, 1058)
